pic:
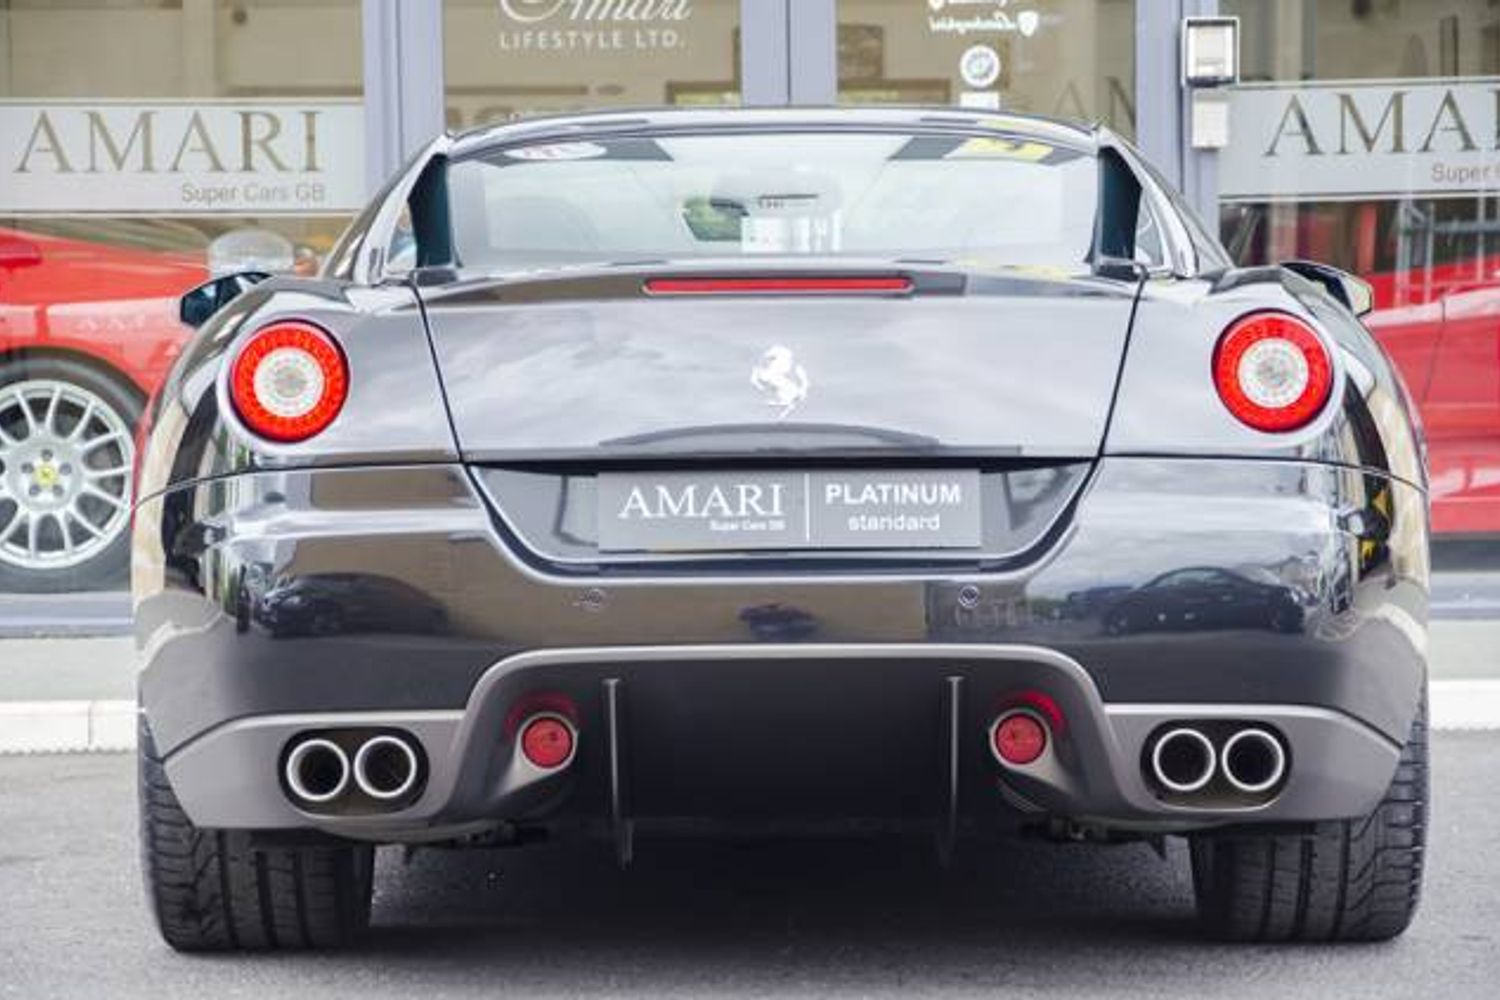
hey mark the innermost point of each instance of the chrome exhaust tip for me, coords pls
(1183, 760)
(317, 770)
(1253, 760)
(385, 767)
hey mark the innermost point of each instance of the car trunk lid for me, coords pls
(671, 363)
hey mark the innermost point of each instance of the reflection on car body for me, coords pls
(1114, 571)
(1204, 598)
(321, 604)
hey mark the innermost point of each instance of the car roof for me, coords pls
(570, 126)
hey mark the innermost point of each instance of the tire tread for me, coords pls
(1345, 880)
(211, 890)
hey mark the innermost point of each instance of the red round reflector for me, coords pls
(288, 381)
(1272, 371)
(1019, 738)
(547, 742)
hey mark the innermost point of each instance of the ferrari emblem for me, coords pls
(781, 380)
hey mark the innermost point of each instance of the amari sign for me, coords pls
(181, 158)
(1329, 141)
(593, 25)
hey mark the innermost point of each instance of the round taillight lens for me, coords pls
(1272, 371)
(547, 742)
(289, 381)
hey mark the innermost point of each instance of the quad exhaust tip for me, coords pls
(385, 767)
(317, 770)
(1183, 760)
(1253, 760)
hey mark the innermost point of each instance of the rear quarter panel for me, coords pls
(1168, 404)
(394, 412)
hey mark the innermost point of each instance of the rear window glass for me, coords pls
(983, 199)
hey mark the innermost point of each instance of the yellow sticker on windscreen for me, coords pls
(554, 151)
(989, 148)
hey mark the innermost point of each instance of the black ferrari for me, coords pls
(632, 473)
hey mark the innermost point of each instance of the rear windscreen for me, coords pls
(975, 199)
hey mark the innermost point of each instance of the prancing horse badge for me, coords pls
(780, 379)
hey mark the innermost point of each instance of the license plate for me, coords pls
(724, 511)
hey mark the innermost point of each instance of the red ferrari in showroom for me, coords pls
(1441, 325)
(87, 332)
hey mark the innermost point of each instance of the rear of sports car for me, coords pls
(764, 472)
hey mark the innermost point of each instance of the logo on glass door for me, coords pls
(535, 11)
(552, 26)
(965, 17)
(979, 66)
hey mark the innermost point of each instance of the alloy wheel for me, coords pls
(66, 459)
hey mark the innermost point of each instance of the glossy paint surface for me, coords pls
(390, 562)
(116, 307)
(394, 411)
(1339, 554)
(1168, 404)
(596, 364)
(1445, 338)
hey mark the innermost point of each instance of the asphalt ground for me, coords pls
(805, 918)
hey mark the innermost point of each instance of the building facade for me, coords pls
(147, 143)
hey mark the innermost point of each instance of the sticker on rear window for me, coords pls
(558, 151)
(1000, 149)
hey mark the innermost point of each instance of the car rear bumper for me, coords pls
(835, 731)
(816, 694)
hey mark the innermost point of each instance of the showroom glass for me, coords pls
(505, 59)
(887, 195)
(145, 145)
(1069, 58)
(1364, 136)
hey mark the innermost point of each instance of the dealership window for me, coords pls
(1365, 135)
(143, 145)
(1070, 58)
(505, 59)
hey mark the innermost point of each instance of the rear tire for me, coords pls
(211, 890)
(1350, 880)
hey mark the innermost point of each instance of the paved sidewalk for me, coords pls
(60, 669)
(84, 613)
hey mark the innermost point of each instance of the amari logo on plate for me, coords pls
(722, 511)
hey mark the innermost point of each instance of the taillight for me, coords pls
(289, 381)
(1272, 371)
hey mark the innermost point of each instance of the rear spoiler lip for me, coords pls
(444, 287)
(689, 280)
(780, 284)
